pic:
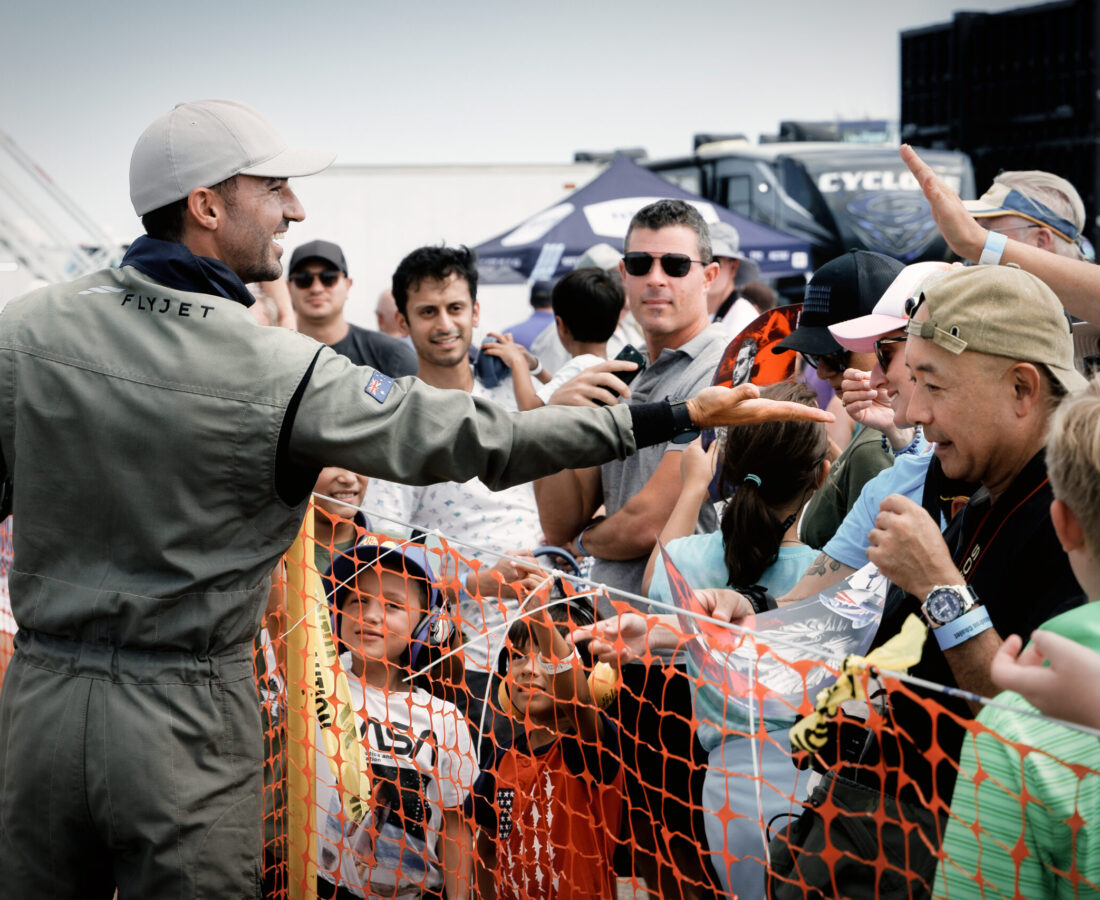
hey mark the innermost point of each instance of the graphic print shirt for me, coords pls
(422, 762)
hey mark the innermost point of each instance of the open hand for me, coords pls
(508, 578)
(1068, 688)
(714, 407)
(616, 640)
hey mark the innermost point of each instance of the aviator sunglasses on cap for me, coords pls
(675, 265)
(303, 280)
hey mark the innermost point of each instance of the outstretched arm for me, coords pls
(1076, 282)
(821, 575)
(570, 685)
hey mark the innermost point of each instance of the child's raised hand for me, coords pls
(1055, 674)
(507, 577)
(697, 465)
(617, 640)
(514, 355)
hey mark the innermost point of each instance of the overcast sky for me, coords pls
(440, 82)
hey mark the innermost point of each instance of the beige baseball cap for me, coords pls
(1002, 311)
(204, 142)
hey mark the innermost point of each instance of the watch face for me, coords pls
(943, 606)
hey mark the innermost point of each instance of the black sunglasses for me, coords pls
(675, 265)
(838, 361)
(880, 353)
(303, 280)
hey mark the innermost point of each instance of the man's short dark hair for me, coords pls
(666, 214)
(589, 302)
(434, 263)
(166, 223)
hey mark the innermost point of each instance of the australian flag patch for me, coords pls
(379, 386)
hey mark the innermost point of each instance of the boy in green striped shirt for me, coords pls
(1026, 808)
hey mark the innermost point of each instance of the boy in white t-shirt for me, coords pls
(587, 304)
(414, 842)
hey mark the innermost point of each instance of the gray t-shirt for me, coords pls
(379, 351)
(677, 375)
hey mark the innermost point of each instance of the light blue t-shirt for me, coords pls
(700, 558)
(906, 477)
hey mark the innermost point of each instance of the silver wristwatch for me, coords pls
(946, 602)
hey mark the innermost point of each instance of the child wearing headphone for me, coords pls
(391, 622)
(548, 810)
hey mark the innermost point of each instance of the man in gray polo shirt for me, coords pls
(667, 271)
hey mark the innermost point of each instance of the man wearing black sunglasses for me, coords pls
(319, 284)
(666, 270)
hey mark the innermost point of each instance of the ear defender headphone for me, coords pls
(433, 631)
(603, 679)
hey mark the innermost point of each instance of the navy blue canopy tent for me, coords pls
(547, 245)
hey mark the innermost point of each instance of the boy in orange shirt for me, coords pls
(548, 811)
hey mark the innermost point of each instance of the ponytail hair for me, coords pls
(765, 468)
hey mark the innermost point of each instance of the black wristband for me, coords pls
(686, 431)
(662, 421)
(653, 423)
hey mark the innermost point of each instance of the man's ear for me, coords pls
(476, 314)
(1044, 239)
(710, 272)
(205, 208)
(563, 332)
(1067, 526)
(823, 472)
(1027, 384)
(402, 323)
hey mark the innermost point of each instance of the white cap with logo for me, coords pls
(204, 142)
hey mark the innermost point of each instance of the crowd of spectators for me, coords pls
(571, 741)
(947, 377)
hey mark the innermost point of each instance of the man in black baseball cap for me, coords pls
(319, 285)
(842, 289)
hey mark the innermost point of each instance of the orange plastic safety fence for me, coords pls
(554, 786)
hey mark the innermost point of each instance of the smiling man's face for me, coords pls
(440, 317)
(257, 213)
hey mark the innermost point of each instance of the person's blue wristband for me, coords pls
(963, 628)
(993, 250)
(577, 540)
